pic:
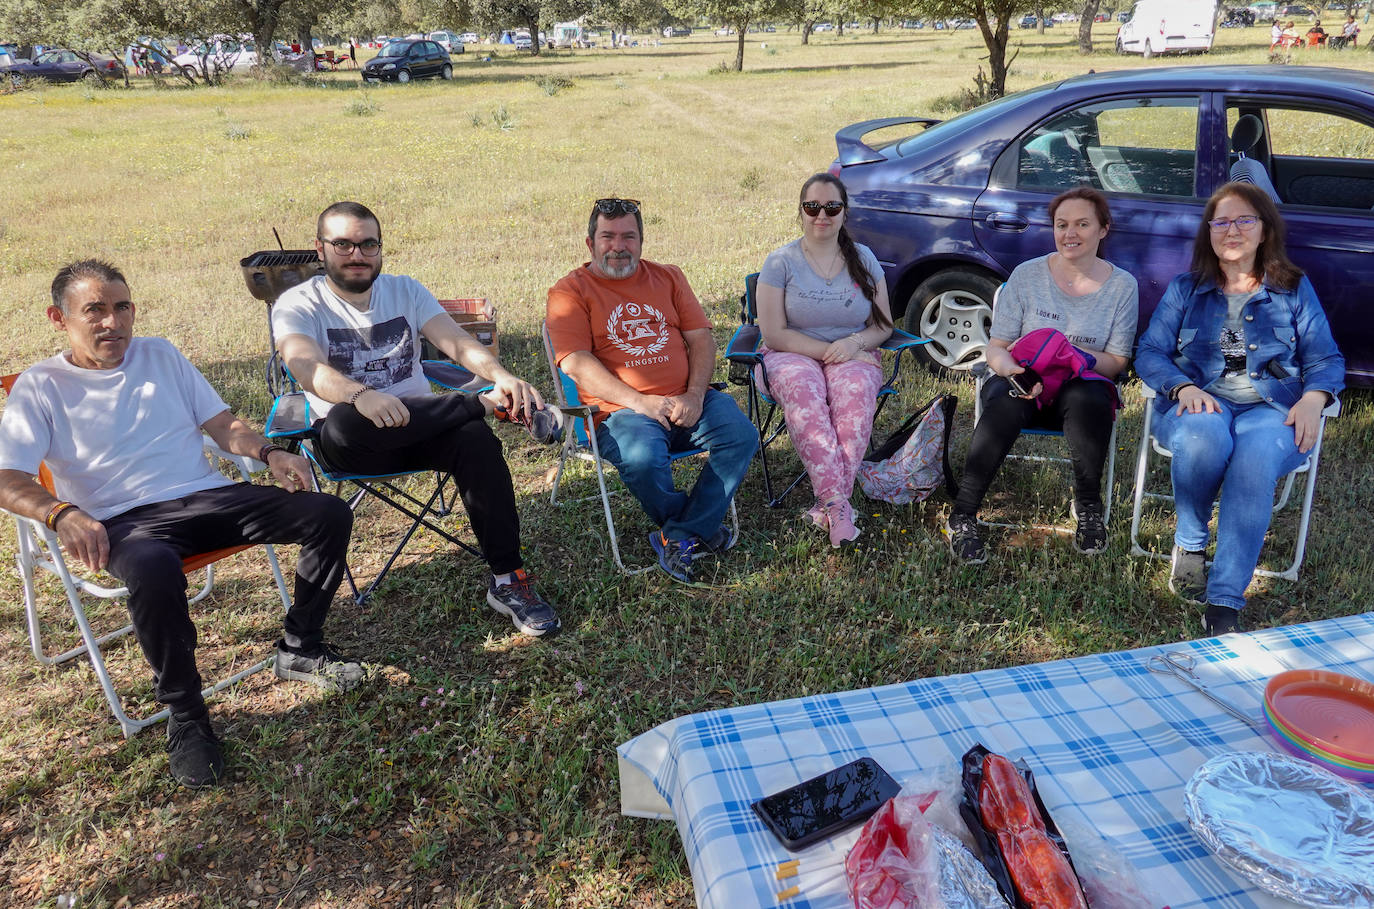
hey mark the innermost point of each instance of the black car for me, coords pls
(401, 61)
(61, 65)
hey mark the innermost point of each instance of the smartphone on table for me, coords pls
(827, 804)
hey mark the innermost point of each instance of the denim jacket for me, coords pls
(1290, 348)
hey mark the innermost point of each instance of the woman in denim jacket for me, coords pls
(1244, 362)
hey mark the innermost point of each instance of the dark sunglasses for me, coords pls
(831, 209)
(344, 247)
(617, 206)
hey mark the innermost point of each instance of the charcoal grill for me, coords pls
(269, 273)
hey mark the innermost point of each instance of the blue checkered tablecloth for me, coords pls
(1112, 746)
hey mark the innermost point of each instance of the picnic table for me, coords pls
(1111, 743)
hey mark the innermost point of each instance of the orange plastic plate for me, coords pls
(1334, 712)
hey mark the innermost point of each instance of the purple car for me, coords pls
(951, 210)
(60, 65)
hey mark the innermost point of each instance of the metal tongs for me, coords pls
(1180, 665)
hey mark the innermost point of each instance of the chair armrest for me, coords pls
(744, 344)
(453, 377)
(902, 340)
(1147, 393)
(289, 417)
(246, 466)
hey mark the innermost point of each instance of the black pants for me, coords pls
(447, 433)
(1083, 409)
(148, 543)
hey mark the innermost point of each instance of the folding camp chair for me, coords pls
(747, 368)
(580, 443)
(38, 548)
(290, 419)
(1149, 444)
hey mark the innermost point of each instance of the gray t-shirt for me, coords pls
(1234, 382)
(1103, 320)
(817, 309)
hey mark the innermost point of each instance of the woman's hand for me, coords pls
(1305, 417)
(842, 351)
(1194, 400)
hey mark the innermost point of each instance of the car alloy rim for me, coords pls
(957, 323)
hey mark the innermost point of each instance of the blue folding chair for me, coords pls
(290, 419)
(580, 443)
(747, 368)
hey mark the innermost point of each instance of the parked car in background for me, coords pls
(1168, 27)
(965, 24)
(523, 41)
(470, 38)
(952, 209)
(450, 42)
(1029, 21)
(401, 61)
(62, 65)
(224, 54)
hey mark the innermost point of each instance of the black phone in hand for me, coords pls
(1023, 383)
(827, 804)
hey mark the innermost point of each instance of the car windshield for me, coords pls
(394, 49)
(968, 120)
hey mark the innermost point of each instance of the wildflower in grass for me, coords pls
(159, 856)
(300, 768)
(424, 702)
(580, 689)
(439, 690)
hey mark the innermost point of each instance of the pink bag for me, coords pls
(1050, 354)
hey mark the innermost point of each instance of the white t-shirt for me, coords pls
(379, 346)
(114, 439)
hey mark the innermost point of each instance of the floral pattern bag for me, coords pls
(914, 460)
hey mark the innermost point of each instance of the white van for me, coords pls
(1168, 27)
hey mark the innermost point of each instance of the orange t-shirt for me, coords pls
(632, 325)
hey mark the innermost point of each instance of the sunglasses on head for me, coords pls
(831, 209)
(369, 247)
(617, 206)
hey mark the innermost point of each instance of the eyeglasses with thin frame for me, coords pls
(831, 209)
(1244, 223)
(617, 206)
(369, 247)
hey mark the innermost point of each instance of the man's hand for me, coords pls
(384, 410)
(1305, 417)
(685, 409)
(1194, 400)
(515, 395)
(84, 537)
(655, 407)
(292, 472)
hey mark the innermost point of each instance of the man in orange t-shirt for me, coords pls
(633, 337)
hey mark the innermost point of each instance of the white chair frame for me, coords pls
(39, 549)
(1149, 444)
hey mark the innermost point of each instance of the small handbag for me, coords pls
(912, 462)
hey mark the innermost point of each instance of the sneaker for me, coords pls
(545, 426)
(1188, 575)
(1219, 620)
(840, 518)
(1090, 536)
(193, 753)
(675, 556)
(326, 668)
(816, 517)
(965, 539)
(723, 540)
(528, 611)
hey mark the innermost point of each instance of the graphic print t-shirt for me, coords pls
(1234, 382)
(633, 326)
(379, 347)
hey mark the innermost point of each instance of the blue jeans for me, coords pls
(640, 449)
(1242, 451)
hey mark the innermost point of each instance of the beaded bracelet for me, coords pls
(265, 451)
(353, 398)
(56, 512)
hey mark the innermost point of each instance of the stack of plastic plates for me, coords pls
(1326, 718)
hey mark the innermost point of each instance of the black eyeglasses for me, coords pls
(831, 209)
(1244, 223)
(617, 206)
(370, 247)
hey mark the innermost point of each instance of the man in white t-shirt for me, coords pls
(118, 419)
(351, 338)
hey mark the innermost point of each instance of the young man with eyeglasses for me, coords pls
(632, 335)
(351, 338)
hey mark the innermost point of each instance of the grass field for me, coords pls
(477, 768)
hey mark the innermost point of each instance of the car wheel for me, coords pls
(446, 72)
(952, 310)
(403, 75)
(90, 77)
(1120, 48)
(1149, 51)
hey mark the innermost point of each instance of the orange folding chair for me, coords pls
(39, 549)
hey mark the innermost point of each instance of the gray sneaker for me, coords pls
(519, 601)
(545, 426)
(965, 539)
(326, 668)
(1188, 575)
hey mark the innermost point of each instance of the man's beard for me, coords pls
(619, 266)
(351, 282)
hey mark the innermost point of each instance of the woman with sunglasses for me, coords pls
(1242, 357)
(822, 311)
(1093, 305)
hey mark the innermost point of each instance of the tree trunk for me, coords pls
(1086, 14)
(806, 32)
(875, 25)
(839, 27)
(1040, 18)
(996, 42)
(740, 28)
(532, 23)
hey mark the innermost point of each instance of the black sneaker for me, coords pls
(545, 426)
(675, 556)
(723, 540)
(326, 668)
(1219, 620)
(1090, 536)
(965, 539)
(193, 753)
(528, 611)
(1188, 575)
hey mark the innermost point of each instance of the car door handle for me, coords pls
(1004, 220)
